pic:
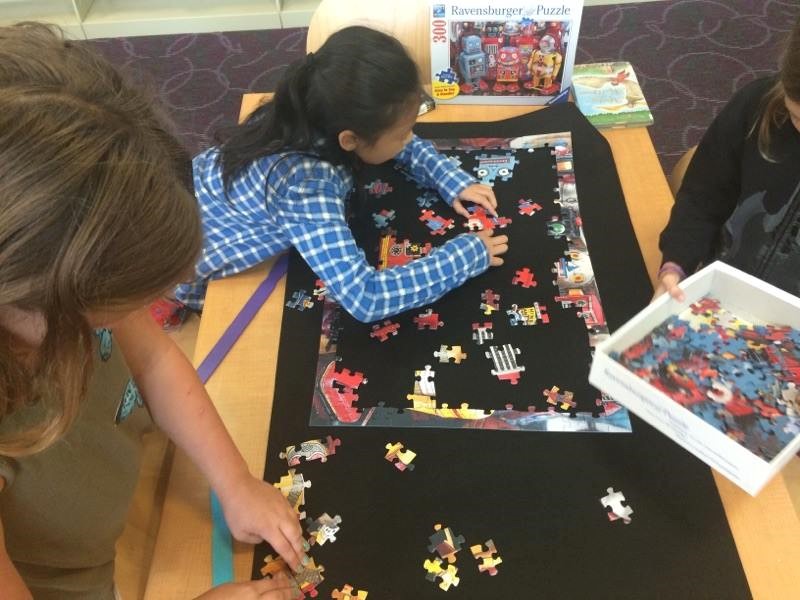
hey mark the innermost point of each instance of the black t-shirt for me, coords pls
(734, 204)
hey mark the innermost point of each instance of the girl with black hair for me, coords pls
(283, 177)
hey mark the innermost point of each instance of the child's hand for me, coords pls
(256, 511)
(669, 283)
(480, 194)
(280, 587)
(495, 246)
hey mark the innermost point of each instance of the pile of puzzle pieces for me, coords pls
(320, 530)
(739, 377)
(446, 544)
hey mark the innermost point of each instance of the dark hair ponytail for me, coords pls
(360, 79)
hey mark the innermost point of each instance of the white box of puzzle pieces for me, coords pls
(718, 373)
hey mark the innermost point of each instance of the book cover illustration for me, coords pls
(503, 52)
(609, 95)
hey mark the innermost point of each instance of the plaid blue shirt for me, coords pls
(302, 204)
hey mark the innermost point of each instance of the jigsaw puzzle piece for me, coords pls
(528, 207)
(399, 457)
(448, 578)
(383, 218)
(293, 487)
(347, 593)
(614, 500)
(274, 564)
(320, 290)
(525, 278)
(323, 529)
(421, 401)
(338, 389)
(433, 567)
(309, 577)
(482, 332)
(490, 302)
(378, 188)
(300, 301)
(311, 450)
(488, 561)
(445, 543)
(447, 353)
(424, 382)
(428, 320)
(437, 225)
(505, 363)
(382, 331)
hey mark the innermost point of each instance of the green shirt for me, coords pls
(66, 506)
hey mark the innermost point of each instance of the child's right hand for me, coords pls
(256, 511)
(495, 246)
(669, 283)
(280, 587)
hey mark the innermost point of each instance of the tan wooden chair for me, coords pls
(679, 170)
(407, 20)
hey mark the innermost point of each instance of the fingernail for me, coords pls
(306, 545)
(305, 560)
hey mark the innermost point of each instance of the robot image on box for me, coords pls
(509, 58)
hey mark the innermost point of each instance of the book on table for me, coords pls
(609, 95)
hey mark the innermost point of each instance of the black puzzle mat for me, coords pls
(536, 495)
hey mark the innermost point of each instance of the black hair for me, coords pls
(360, 79)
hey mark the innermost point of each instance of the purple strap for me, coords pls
(242, 320)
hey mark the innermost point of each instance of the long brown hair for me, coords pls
(94, 215)
(773, 107)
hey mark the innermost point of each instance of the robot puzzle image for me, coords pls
(528, 56)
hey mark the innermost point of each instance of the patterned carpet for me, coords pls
(689, 55)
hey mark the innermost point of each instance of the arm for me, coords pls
(709, 191)
(434, 170)
(254, 510)
(10, 581)
(439, 172)
(312, 214)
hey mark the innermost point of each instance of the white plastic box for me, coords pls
(748, 298)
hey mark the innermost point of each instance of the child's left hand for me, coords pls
(256, 511)
(479, 194)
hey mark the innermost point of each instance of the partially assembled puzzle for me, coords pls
(487, 353)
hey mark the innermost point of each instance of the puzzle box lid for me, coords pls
(503, 52)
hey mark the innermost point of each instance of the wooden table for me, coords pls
(766, 528)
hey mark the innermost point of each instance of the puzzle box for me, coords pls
(718, 411)
(511, 52)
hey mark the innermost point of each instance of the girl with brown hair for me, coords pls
(92, 194)
(740, 197)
